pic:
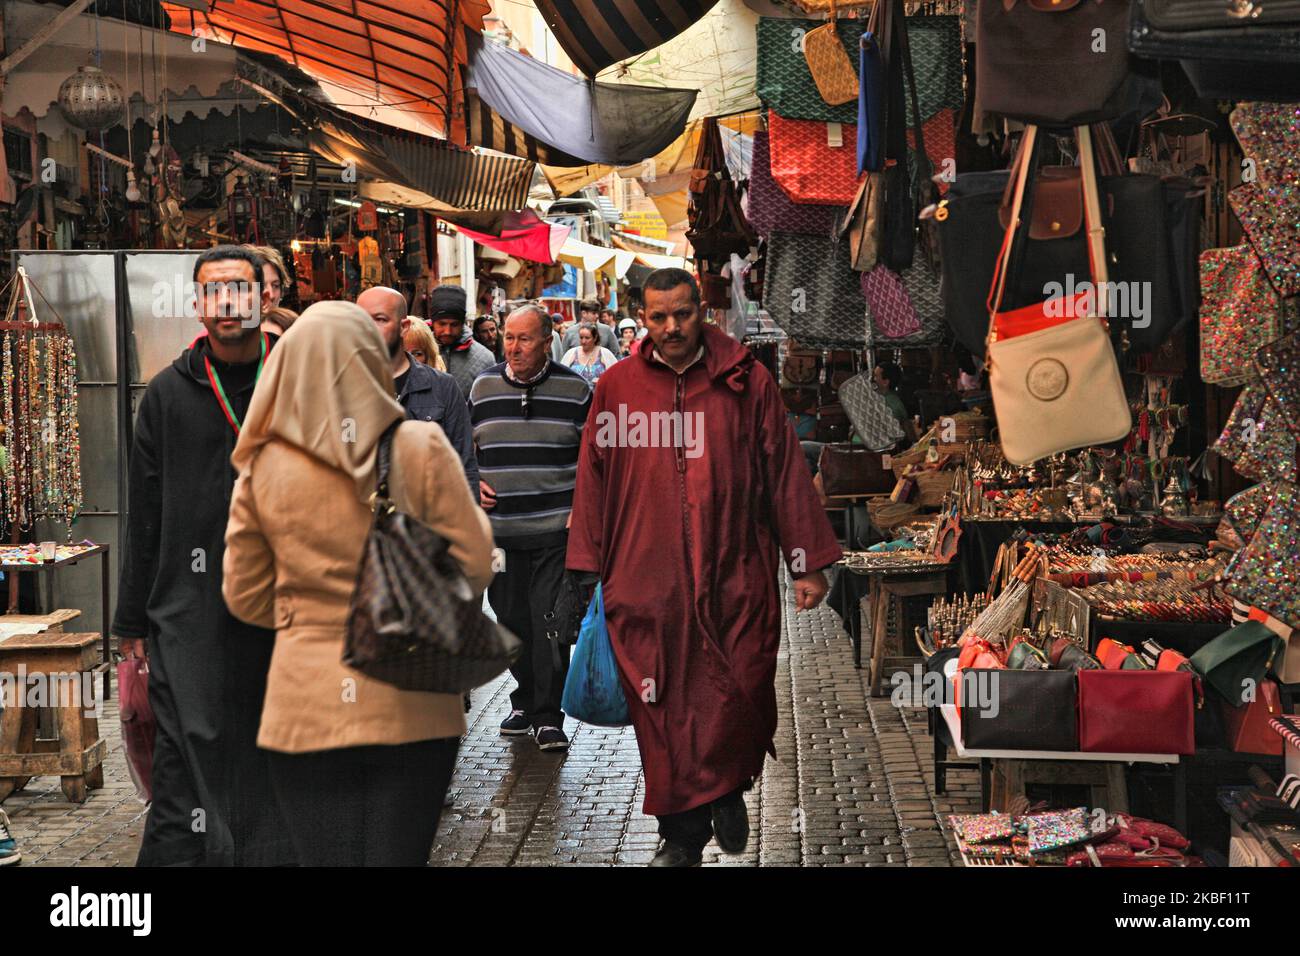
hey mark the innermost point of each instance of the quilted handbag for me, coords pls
(811, 292)
(828, 62)
(770, 208)
(1239, 313)
(414, 621)
(813, 162)
(785, 84)
(874, 423)
(1271, 223)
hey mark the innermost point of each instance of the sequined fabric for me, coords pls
(1270, 216)
(1278, 364)
(1256, 438)
(1269, 133)
(1245, 510)
(1238, 313)
(1266, 573)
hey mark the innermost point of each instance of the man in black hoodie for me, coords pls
(212, 798)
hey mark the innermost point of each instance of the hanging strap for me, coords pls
(383, 465)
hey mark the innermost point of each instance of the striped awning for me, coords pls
(401, 52)
(489, 129)
(597, 33)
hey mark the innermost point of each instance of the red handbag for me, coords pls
(1136, 712)
(1248, 727)
(805, 164)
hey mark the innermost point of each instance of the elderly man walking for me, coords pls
(690, 486)
(528, 415)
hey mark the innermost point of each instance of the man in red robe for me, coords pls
(691, 485)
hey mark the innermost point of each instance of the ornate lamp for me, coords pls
(91, 99)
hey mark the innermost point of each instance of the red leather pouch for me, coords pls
(1127, 711)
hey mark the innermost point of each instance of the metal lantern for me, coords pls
(91, 99)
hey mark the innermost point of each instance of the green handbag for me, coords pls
(786, 85)
(1245, 653)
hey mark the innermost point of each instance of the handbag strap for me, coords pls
(383, 465)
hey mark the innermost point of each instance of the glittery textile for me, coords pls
(1238, 313)
(1245, 510)
(1270, 217)
(1266, 573)
(1269, 133)
(983, 827)
(1256, 438)
(1048, 831)
(1278, 364)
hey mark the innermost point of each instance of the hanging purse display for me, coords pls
(769, 208)
(1271, 223)
(1256, 438)
(872, 419)
(1038, 61)
(718, 228)
(861, 227)
(811, 292)
(828, 62)
(890, 306)
(1235, 50)
(1266, 573)
(1057, 386)
(1239, 313)
(813, 162)
(783, 80)
(1278, 364)
(1246, 509)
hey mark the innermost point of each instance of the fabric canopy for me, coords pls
(596, 33)
(592, 258)
(598, 122)
(718, 56)
(488, 129)
(399, 51)
(525, 236)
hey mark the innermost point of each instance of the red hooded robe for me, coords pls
(686, 540)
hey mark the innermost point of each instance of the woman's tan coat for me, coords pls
(295, 537)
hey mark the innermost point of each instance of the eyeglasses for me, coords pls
(525, 403)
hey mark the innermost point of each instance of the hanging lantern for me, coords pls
(91, 99)
(240, 207)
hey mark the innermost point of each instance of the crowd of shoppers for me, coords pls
(289, 756)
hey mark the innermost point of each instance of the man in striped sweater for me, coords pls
(528, 414)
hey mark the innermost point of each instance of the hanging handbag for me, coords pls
(861, 226)
(1266, 573)
(891, 309)
(1239, 313)
(1279, 375)
(811, 292)
(828, 62)
(853, 470)
(1233, 50)
(813, 162)
(1038, 61)
(769, 208)
(872, 419)
(414, 621)
(1058, 387)
(1237, 660)
(1256, 438)
(1136, 712)
(1271, 224)
(1246, 509)
(1269, 134)
(718, 228)
(783, 80)
(871, 103)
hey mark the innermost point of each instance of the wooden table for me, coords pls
(904, 579)
(64, 665)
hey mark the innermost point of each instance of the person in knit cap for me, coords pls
(465, 357)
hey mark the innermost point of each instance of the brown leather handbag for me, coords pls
(853, 470)
(414, 620)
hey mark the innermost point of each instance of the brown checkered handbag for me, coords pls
(414, 621)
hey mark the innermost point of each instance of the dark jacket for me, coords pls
(433, 396)
(466, 360)
(207, 670)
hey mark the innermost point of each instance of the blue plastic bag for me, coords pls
(593, 692)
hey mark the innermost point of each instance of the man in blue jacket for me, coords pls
(427, 394)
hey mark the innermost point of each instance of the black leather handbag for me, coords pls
(1019, 710)
(414, 620)
(1230, 49)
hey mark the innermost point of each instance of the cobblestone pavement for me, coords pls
(852, 785)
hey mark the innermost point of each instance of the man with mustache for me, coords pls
(684, 536)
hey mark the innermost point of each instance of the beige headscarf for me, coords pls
(326, 389)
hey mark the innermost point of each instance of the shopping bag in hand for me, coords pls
(593, 692)
(138, 725)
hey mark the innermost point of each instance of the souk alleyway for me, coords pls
(853, 785)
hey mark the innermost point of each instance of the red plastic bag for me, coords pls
(138, 725)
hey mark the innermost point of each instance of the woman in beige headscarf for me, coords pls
(360, 768)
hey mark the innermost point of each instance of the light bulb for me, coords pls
(155, 147)
(132, 190)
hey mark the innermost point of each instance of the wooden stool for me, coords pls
(887, 590)
(77, 755)
(1108, 787)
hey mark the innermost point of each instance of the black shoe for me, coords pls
(674, 854)
(516, 724)
(551, 738)
(731, 823)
